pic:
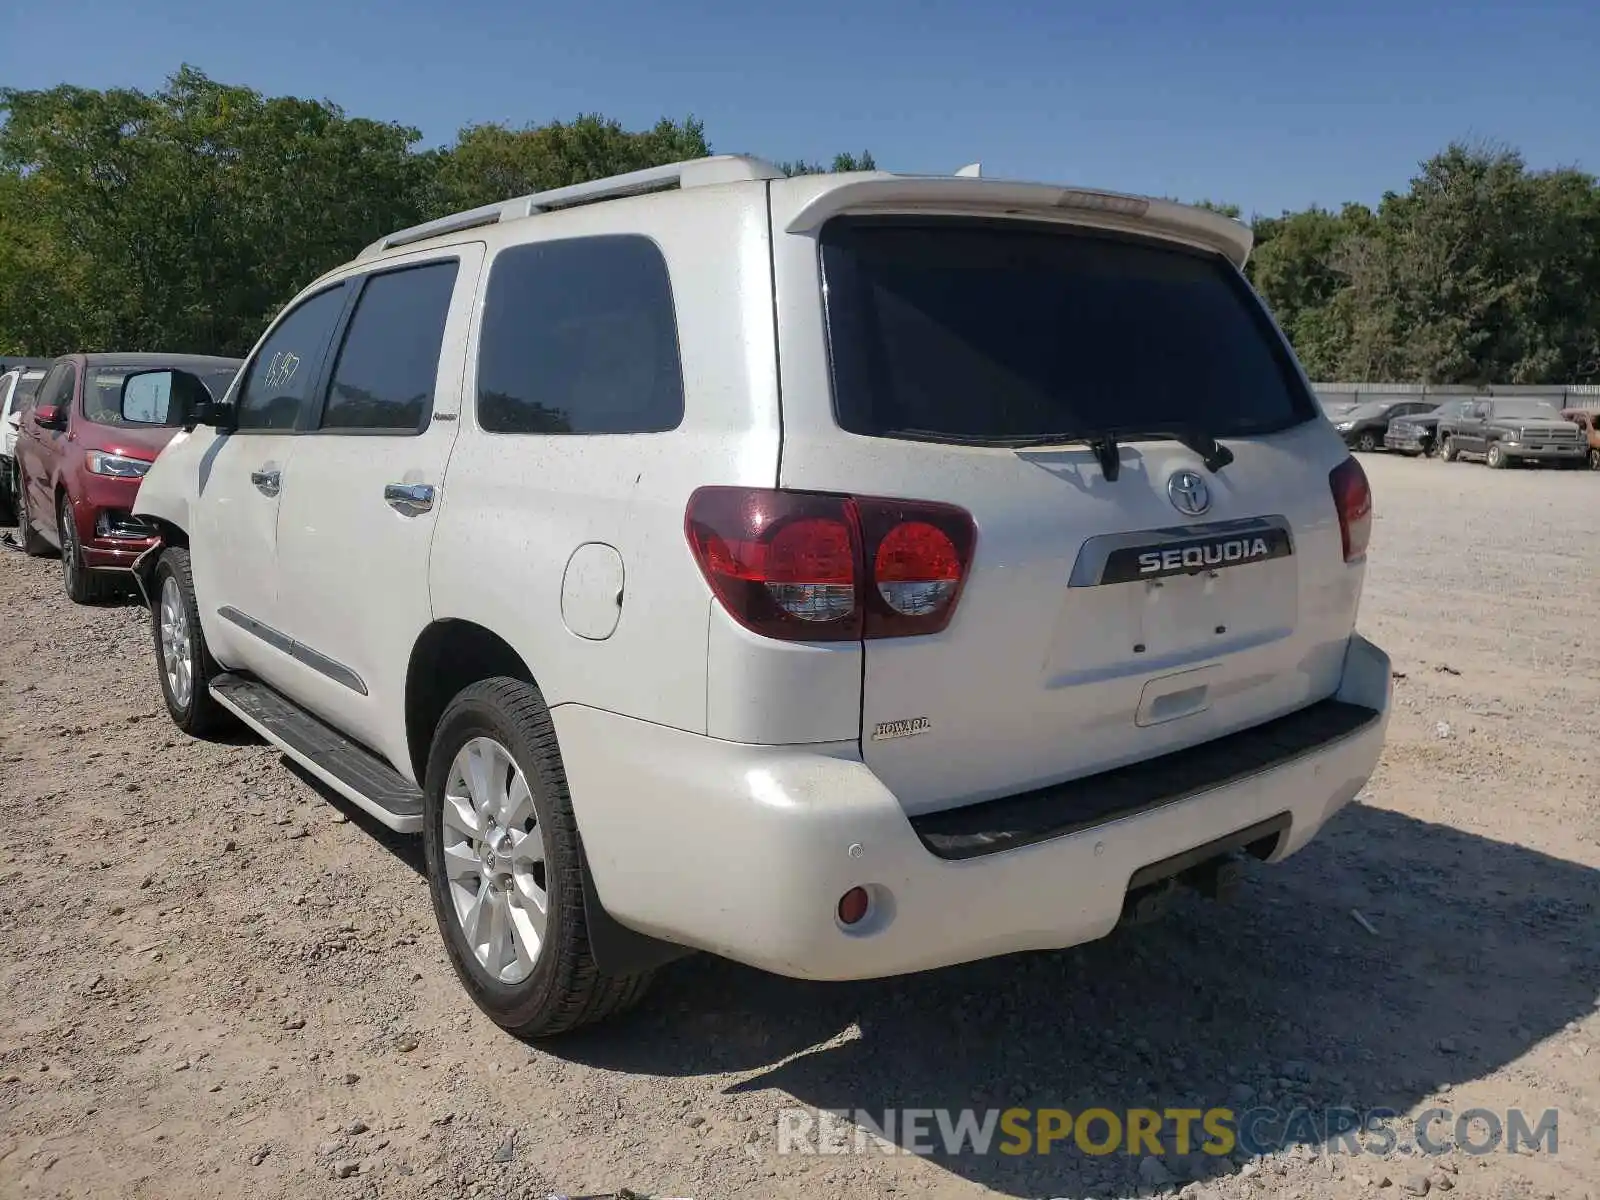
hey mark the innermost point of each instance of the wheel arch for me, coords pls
(144, 567)
(452, 654)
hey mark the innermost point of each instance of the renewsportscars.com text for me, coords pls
(1171, 1131)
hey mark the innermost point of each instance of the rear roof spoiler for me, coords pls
(1116, 210)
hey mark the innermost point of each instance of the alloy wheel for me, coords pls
(177, 646)
(494, 860)
(69, 544)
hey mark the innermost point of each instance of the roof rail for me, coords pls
(694, 172)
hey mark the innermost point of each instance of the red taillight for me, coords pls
(810, 566)
(1352, 498)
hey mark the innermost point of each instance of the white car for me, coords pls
(16, 385)
(847, 574)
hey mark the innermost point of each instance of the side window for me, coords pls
(384, 376)
(579, 336)
(283, 373)
(57, 386)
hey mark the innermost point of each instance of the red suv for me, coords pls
(80, 459)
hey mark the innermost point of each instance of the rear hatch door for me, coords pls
(1123, 601)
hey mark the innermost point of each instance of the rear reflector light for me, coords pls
(853, 906)
(812, 566)
(1352, 498)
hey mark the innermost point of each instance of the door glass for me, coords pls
(389, 362)
(283, 372)
(57, 387)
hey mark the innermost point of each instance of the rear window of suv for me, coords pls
(989, 332)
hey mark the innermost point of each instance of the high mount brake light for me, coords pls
(1352, 498)
(818, 567)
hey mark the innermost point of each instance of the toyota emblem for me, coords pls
(1188, 493)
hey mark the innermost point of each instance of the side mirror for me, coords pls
(169, 397)
(50, 416)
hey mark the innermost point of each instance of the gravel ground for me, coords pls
(217, 980)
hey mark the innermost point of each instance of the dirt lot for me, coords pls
(217, 981)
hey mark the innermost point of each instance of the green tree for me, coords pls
(841, 163)
(183, 219)
(492, 162)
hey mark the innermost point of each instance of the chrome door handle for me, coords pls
(266, 482)
(409, 499)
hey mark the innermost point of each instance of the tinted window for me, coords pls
(282, 375)
(579, 337)
(386, 369)
(957, 329)
(57, 386)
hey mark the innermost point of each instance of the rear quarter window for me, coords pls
(579, 336)
(964, 329)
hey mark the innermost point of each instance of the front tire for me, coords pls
(1367, 443)
(1594, 459)
(82, 585)
(505, 866)
(1497, 457)
(1447, 449)
(182, 659)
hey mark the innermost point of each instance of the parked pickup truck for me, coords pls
(1511, 430)
(1417, 433)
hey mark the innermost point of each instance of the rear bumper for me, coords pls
(744, 850)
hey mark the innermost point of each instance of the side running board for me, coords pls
(351, 770)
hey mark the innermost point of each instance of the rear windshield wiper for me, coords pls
(1212, 453)
(1106, 445)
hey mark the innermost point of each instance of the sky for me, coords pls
(1267, 104)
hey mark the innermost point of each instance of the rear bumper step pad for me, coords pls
(1064, 808)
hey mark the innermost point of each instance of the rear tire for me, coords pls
(183, 662)
(504, 840)
(33, 542)
(82, 585)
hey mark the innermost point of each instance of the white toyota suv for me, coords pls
(847, 574)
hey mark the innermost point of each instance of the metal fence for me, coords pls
(1562, 395)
